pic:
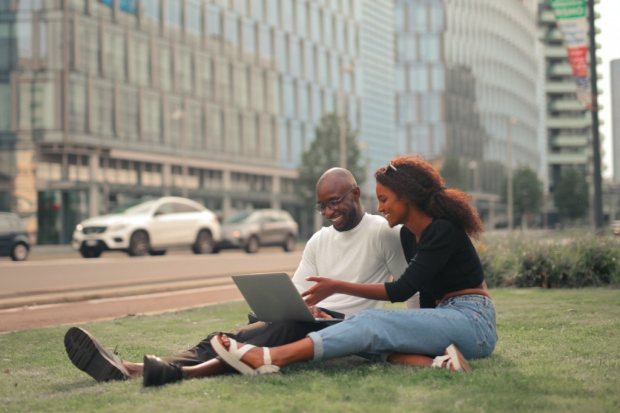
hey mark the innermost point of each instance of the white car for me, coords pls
(151, 227)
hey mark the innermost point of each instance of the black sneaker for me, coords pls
(158, 372)
(88, 355)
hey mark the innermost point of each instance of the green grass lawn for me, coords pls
(558, 351)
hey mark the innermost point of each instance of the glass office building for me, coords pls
(108, 102)
(469, 91)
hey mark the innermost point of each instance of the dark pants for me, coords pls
(260, 334)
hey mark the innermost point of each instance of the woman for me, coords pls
(456, 312)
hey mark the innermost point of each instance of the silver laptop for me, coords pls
(273, 297)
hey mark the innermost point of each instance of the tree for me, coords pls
(572, 196)
(527, 190)
(323, 154)
(454, 175)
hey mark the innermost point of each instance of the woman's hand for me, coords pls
(317, 313)
(323, 288)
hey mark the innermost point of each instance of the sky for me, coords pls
(609, 39)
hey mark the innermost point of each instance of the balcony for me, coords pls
(568, 123)
(568, 158)
(580, 141)
(569, 105)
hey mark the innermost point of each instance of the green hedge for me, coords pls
(584, 261)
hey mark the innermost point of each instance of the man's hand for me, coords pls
(317, 313)
(323, 288)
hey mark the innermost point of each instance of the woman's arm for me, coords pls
(325, 287)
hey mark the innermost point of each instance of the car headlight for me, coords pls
(79, 228)
(118, 227)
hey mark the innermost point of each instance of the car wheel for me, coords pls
(19, 252)
(252, 246)
(289, 244)
(157, 253)
(139, 244)
(204, 243)
(90, 252)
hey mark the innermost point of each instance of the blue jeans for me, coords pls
(468, 321)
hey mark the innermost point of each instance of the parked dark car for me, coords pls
(14, 240)
(255, 229)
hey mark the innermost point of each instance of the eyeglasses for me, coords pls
(332, 205)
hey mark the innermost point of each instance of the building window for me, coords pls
(88, 40)
(195, 115)
(142, 62)
(273, 13)
(103, 115)
(288, 96)
(77, 106)
(128, 113)
(115, 54)
(281, 52)
(241, 87)
(309, 62)
(301, 16)
(165, 68)
(5, 107)
(173, 13)
(151, 118)
(151, 9)
(214, 21)
(265, 41)
(232, 29)
(193, 16)
(185, 71)
(175, 118)
(257, 9)
(249, 36)
(295, 51)
(286, 8)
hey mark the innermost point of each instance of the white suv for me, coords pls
(151, 227)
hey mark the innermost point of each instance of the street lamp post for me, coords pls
(512, 121)
(346, 68)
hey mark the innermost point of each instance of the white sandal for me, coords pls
(453, 360)
(233, 355)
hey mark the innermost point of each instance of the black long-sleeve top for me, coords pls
(443, 261)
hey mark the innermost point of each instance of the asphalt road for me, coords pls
(66, 290)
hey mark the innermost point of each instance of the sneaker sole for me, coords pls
(85, 353)
(458, 361)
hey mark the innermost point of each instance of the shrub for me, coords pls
(585, 261)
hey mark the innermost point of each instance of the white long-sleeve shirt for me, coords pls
(368, 253)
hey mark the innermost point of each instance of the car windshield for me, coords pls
(245, 217)
(134, 209)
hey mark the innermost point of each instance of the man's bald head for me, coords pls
(336, 178)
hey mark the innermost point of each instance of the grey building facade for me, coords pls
(108, 102)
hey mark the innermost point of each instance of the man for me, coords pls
(358, 247)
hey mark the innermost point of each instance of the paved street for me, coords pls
(64, 290)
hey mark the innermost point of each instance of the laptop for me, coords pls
(273, 297)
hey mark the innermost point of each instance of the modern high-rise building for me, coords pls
(468, 91)
(615, 117)
(106, 102)
(569, 122)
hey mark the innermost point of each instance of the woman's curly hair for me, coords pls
(414, 179)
